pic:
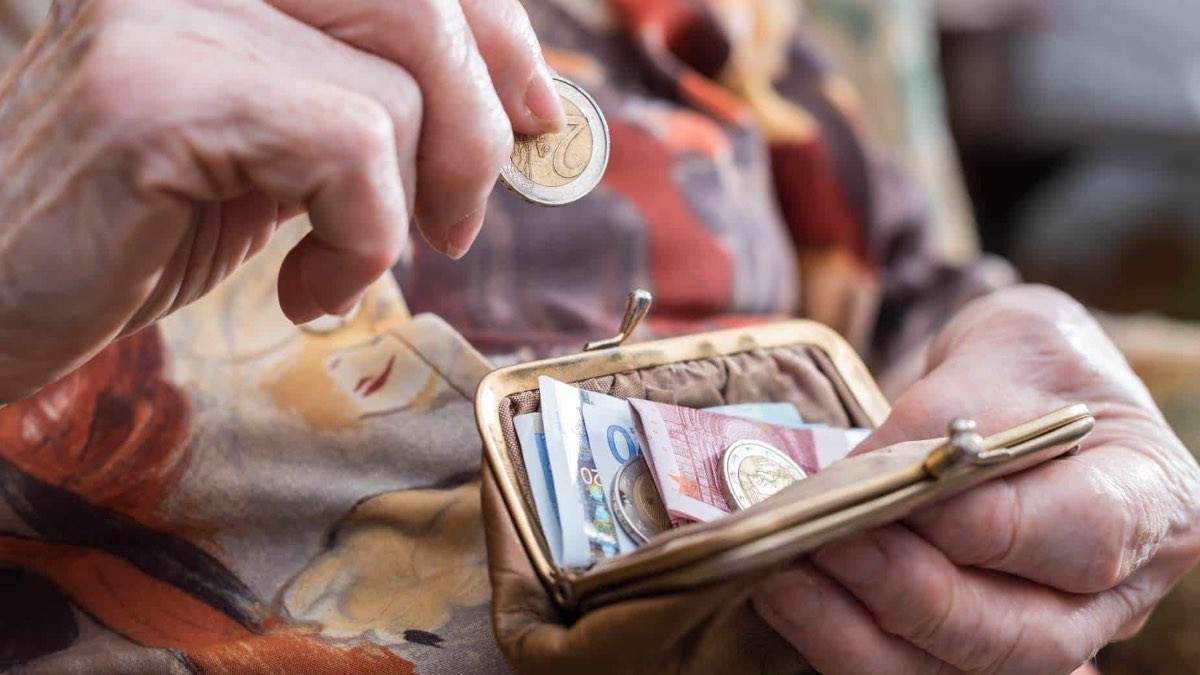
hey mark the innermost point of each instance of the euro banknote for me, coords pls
(772, 413)
(588, 529)
(684, 448)
(532, 436)
(614, 441)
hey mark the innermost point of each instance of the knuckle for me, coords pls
(979, 528)
(446, 35)
(366, 134)
(1112, 561)
(1001, 514)
(109, 75)
(1112, 530)
(1060, 351)
(1060, 650)
(926, 400)
(1044, 300)
(380, 260)
(407, 107)
(498, 146)
(480, 155)
(403, 102)
(514, 47)
(922, 627)
(514, 16)
(919, 604)
(1036, 304)
(1135, 626)
(404, 99)
(930, 607)
(1038, 316)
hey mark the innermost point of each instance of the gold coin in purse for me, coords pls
(680, 602)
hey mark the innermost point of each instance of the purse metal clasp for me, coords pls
(963, 447)
(637, 306)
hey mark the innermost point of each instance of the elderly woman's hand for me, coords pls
(1029, 574)
(148, 147)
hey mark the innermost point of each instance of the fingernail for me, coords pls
(311, 314)
(855, 562)
(793, 595)
(543, 102)
(461, 235)
(350, 305)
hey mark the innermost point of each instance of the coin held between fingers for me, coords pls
(560, 168)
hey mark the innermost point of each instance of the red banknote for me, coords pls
(685, 447)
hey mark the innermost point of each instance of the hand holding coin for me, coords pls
(184, 164)
(564, 166)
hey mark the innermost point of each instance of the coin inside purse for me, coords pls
(798, 362)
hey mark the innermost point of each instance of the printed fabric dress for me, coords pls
(226, 493)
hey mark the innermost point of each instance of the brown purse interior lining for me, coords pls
(801, 375)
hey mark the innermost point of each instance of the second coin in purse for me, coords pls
(608, 474)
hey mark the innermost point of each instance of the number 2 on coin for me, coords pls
(575, 126)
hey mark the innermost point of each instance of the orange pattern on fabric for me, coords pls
(706, 95)
(143, 609)
(686, 131)
(399, 562)
(815, 206)
(576, 66)
(658, 13)
(668, 27)
(294, 654)
(111, 432)
(640, 170)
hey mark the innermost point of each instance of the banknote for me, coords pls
(532, 437)
(589, 532)
(772, 413)
(855, 437)
(785, 414)
(684, 448)
(614, 442)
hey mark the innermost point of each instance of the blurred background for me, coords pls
(1077, 124)
(1063, 135)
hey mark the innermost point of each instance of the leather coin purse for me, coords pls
(680, 603)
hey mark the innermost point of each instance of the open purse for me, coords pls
(680, 603)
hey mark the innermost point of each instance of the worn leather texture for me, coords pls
(710, 630)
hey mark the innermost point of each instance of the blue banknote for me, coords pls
(588, 528)
(783, 414)
(532, 437)
(614, 441)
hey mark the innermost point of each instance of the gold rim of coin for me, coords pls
(636, 502)
(561, 168)
(753, 471)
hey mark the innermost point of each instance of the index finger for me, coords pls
(466, 135)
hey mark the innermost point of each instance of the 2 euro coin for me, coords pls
(560, 168)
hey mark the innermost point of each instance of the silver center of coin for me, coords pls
(637, 503)
(752, 471)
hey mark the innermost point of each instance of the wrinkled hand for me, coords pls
(1029, 574)
(149, 147)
